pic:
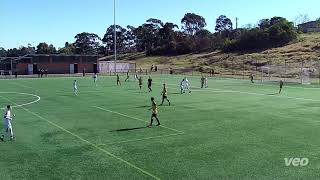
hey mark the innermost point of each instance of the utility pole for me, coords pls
(115, 37)
(237, 22)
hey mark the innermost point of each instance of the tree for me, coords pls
(152, 27)
(203, 41)
(264, 23)
(102, 50)
(166, 38)
(192, 23)
(148, 35)
(14, 52)
(44, 48)
(87, 43)
(108, 38)
(21, 51)
(276, 20)
(223, 24)
(157, 23)
(27, 50)
(183, 43)
(67, 49)
(130, 39)
(282, 32)
(248, 26)
(271, 33)
(3, 52)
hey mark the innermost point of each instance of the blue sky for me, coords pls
(58, 21)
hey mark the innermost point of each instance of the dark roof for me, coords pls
(65, 55)
(309, 23)
(12, 58)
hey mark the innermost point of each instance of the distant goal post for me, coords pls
(305, 76)
(277, 73)
(109, 67)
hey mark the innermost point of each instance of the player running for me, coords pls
(154, 109)
(75, 88)
(149, 84)
(251, 78)
(118, 80)
(140, 82)
(127, 79)
(281, 85)
(7, 123)
(95, 78)
(165, 95)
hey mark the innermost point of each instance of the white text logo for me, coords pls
(296, 162)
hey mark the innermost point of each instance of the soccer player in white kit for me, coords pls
(187, 84)
(95, 78)
(75, 87)
(206, 82)
(7, 118)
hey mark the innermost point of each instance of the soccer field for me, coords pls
(231, 130)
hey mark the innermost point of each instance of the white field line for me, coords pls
(25, 104)
(88, 142)
(107, 76)
(141, 139)
(134, 118)
(251, 93)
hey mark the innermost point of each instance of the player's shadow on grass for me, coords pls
(272, 94)
(139, 92)
(175, 93)
(129, 129)
(143, 107)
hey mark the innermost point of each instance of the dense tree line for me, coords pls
(273, 32)
(165, 38)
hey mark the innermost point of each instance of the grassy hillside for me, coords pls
(306, 48)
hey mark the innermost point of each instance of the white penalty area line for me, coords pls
(134, 118)
(89, 143)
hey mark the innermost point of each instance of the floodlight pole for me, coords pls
(115, 37)
(11, 64)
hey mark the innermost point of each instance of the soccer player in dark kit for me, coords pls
(165, 95)
(154, 109)
(281, 85)
(149, 84)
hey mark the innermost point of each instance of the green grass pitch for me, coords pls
(231, 130)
